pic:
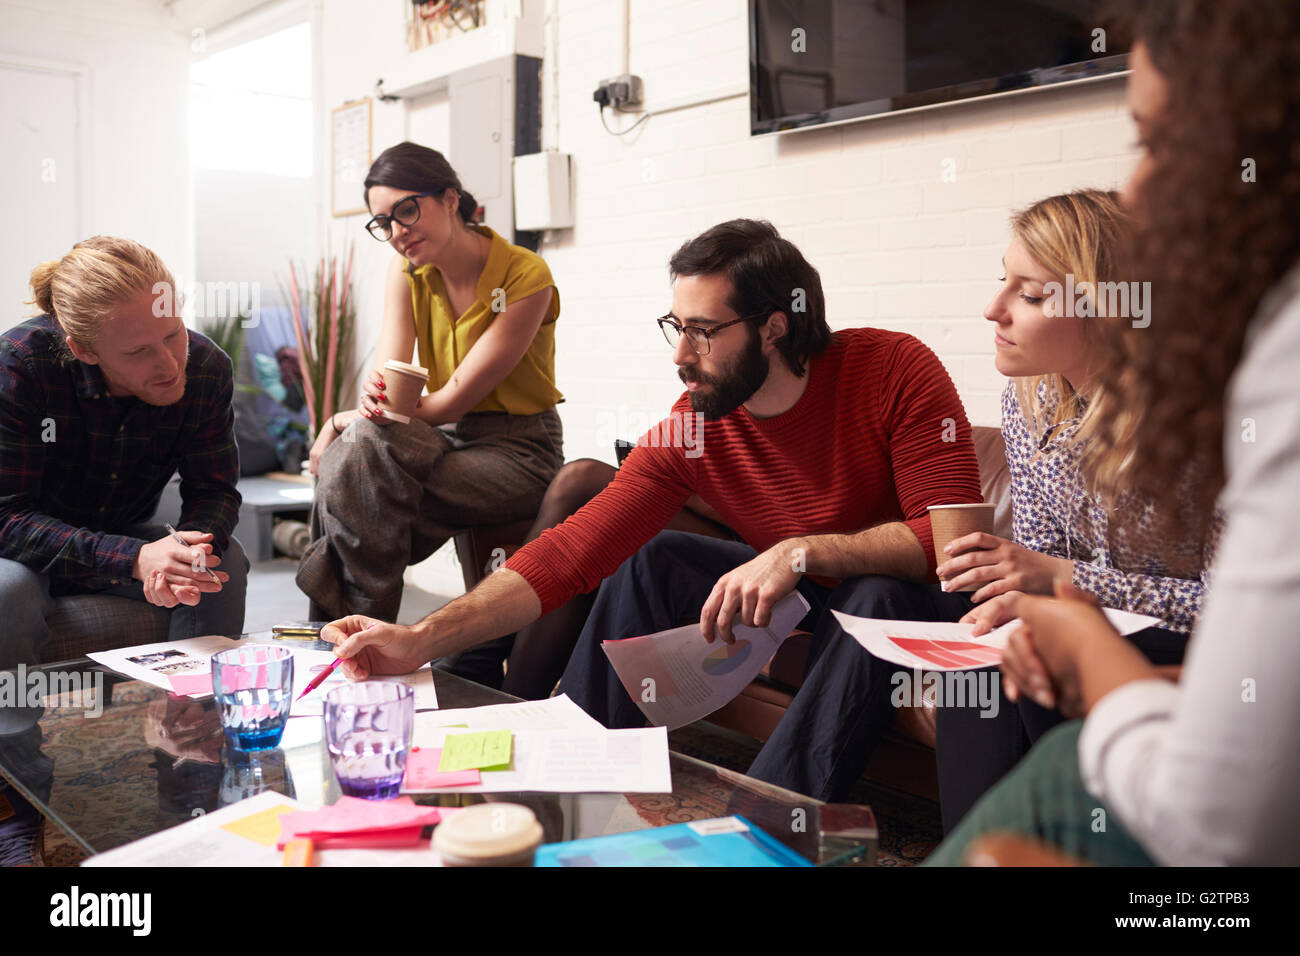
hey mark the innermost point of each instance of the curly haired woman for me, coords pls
(1205, 771)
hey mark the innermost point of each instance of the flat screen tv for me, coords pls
(813, 62)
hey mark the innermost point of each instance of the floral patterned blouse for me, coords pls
(1049, 507)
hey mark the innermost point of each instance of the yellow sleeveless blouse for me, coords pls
(510, 274)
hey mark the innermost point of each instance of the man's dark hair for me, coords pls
(768, 274)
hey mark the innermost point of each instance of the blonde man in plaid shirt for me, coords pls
(102, 400)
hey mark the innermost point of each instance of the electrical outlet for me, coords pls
(620, 92)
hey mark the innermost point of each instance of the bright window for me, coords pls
(250, 106)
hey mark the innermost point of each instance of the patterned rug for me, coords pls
(93, 750)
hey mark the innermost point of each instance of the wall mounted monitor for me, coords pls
(813, 62)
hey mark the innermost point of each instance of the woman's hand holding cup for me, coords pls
(373, 398)
(990, 566)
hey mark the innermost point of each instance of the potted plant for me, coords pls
(324, 324)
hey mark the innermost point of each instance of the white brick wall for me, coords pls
(896, 245)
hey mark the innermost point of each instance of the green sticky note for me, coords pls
(487, 750)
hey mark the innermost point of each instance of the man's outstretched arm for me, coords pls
(502, 603)
(569, 559)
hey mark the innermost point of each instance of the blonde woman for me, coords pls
(1051, 344)
(103, 397)
(1060, 534)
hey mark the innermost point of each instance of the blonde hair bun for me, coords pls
(84, 287)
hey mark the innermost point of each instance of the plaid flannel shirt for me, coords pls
(78, 466)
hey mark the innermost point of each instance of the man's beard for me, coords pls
(731, 388)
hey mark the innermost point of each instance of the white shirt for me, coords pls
(1208, 771)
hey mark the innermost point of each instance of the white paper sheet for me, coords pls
(571, 761)
(203, 842)
(153, 663)
(555, 713)
(939, 646)
(676, 677)
(308, 662)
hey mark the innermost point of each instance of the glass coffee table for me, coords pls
(151, 761)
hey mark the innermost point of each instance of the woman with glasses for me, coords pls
(479, 314)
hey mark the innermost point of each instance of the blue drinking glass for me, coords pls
(254, 689)
(368, 729)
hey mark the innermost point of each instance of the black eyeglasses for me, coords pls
(698, 337)
(406, 211)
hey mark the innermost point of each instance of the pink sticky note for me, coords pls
(185, 684)
(354, 815)
(422, 771)
(361, 839)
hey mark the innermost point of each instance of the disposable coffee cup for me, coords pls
(403, 385)
(489, 834)
(949, 522)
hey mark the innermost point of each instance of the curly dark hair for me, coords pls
(1211, 238)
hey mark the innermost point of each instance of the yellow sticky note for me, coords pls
(486, 750)
(262, 827)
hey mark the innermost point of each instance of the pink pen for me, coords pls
(319, 678)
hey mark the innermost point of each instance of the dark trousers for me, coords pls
(975, 751)
(483, 663)
(663, 585)
(826, 737)
(830, 730)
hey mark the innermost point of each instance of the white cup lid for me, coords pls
(397, 366)
(488, 830)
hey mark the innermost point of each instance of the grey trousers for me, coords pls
(25, 604)
(388, 496)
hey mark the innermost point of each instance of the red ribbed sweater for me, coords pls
(878, 434)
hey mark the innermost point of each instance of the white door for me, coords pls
(39, 178)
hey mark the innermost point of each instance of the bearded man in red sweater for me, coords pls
(820, 450)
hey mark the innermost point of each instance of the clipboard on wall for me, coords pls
(350, 128)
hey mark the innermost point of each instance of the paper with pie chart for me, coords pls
(676, 677)
(941, 646)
